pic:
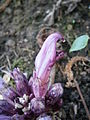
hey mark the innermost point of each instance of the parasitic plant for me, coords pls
(33, 98)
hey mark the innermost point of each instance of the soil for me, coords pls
(20, 23)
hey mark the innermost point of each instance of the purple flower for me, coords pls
(30, 99)
(54, 94)
(44, 117)
(37, 105)
(21, 81)
(44, 62)
(7, 106)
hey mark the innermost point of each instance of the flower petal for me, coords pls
(3, 90)
(48, 49)
(54, 93)
(39, 89)
(37, 106)
(3, 117)
(21, 82)
(6, 108)
(44, 63)
(17, 117)
(2, 84)
(10, 93)
(44, 117)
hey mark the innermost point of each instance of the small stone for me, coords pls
(87, 27)
(69, 27)
(25, 40)
(17, 12)
(10, 43)
(73, 21)
(8, 10)
(6, 78)
(89, 7)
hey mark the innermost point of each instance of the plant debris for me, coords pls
(69, 72)
(50, 18)
(71, 5)
(72, 81)
(56, 12)
(43, 34)
(4, 5)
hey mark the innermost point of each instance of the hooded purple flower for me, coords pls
(44, 62)
(30, 99)
(7, 105)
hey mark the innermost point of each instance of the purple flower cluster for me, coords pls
(33, 98)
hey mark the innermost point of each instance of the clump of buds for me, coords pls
(36, 97)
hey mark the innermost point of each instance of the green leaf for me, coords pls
(80, 43)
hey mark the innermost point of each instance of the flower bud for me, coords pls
(17, 117)
(44, 117)
(10, 93)
(21, 81)
(54, 93)
(37, 106)
(44, 62)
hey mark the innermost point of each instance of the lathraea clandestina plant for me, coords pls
(34, 98)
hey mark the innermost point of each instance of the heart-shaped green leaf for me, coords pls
(80, 43)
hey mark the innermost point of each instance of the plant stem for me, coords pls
(82, 98)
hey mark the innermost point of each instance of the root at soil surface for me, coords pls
(4, 5)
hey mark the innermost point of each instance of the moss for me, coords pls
(19, 63)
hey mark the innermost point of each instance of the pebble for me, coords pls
(25, 40)
(6, 78)
(8, 10)
(10, 43)
(69, 27)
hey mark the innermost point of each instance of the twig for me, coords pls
(3, 7)
(2, 67)
(71, 4)
(69, 1)
(51, 16)
(82, 98)
(61, 69)
(2, 56)
(9, 64)
(15, 53)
